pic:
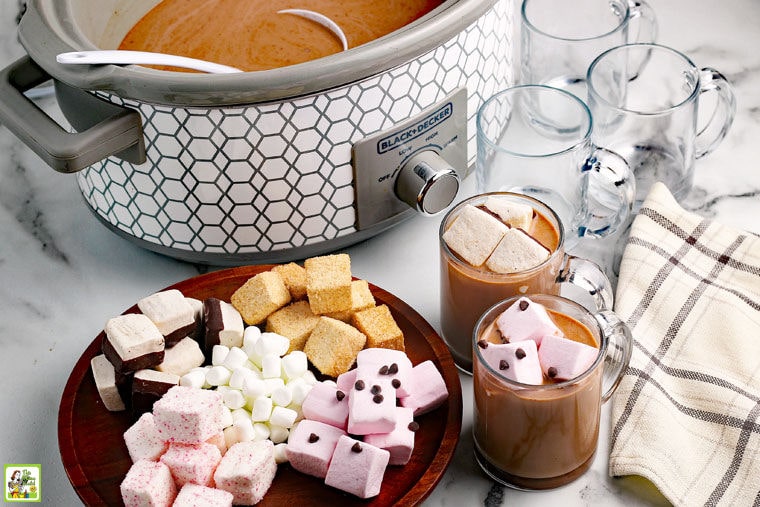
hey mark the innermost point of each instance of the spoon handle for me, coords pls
(124, 57)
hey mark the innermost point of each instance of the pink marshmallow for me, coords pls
(400, 441)
(143, 440)
(346, 380)
(428, 389)
(188, 415)
(192, 463)
(311, 446)
(194, 495)
(516, 361)
(247, 471)
(328, 404)
(526, 320)
(563, 359)
(148, 483)
(371, 407)
(357, 468)
(390, 364)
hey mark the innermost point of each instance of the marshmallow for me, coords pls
(428, 389)
(278, 434)
(143, 440)
(148, 386)
(105, 381)
(232, 399)
(195, 495)
(563, 359)
(235, 358)
(516, 361)
(219, 354)
(188, 415)
(345, 381)
(283, 417)
(371, 407)
(514, 214)
(526, 320)
(390, 364)
(219, 441)
(357, 467)
(328, 404)
(295, 364)
(194, 378)
(218, 376)
(223, 324)
(247, 471)
(262, 409)
(399, 442)
(299, 389)
(148, 483)
(197, 306)
(133, 342)
(182, 357)
(245, 430)
(517, 251)
(193, 463)
(272, 343)
(474, 234)
(171, 313)
(271, 366)
(311, 445)
(282, 396)
(281, 453)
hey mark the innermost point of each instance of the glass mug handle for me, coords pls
(647, 23)
(619, 349)
(587, 277)
(610, 190)
(720, 120)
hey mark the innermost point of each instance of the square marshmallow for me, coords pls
(564, 359)
(194, 495)
(357, 468)
(517, 251)
(371, 407)
(399, 442)
(144, 441)
(428, 389)
(393, 365)
(247, 471)
(189, 415)
(148, 483)
(192, 463)
(526, 320)
(474, 234)
(311, 445)
(514, 214)
(328, 404)
(171, 313)
(516, 361)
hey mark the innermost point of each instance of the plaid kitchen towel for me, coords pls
(686, 414)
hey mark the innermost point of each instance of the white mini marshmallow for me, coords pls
(240, 413)
(309, 377)
(227, 417)
(235, 358)
(299, 388)
(262, 409)
(250, 336)
(262, 431)
(218, 375)
(295, 364)
(254, 387)
(282, 396)
(194, 378)
(278, 434)
(272, 343)
(238, 377)
(280, 453)
(282, 416)
(244, 429)
(272, 384)
(219, 354)
(271, 366)
(231, 436)
(232, 398)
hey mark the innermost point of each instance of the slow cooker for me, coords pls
(266, 166)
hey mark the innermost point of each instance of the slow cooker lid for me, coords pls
(50, 27)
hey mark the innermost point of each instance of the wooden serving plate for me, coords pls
(96, 459)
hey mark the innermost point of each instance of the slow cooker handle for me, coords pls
(117, 130)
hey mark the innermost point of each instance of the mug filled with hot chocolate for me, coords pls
(543, 366)
(497, 245)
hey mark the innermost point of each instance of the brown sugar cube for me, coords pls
(260, 296)
(333, 345)
(328, 283)
(380, 328)
(294, 277)
(361, 299)
(295, 321)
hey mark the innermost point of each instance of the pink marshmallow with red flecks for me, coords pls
(194, 495)
(526, 320)
(387, 364)
(428, 389)
(568, 358)
(399, 442)
(357, 467)
(148, 483)
(516, 361)
(311, 445)
(188, 415)
(194, 463)
(324, 403)
(143, 440)
(247, 471)
(371, 406)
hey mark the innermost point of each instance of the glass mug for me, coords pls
(560, 38)
(650, 114)
(536, 140)
(544, 436)
(466, 291)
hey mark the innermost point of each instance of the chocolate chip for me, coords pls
(523, 305)
(413, 426)
(383, 370)
(313, 438)
(376, 389)
(393, 369)
(356, 447)
(359, 385)
(483, 344)
(520, 353)
(503, 365)
(340, 395)
(396, 383)
(378, 398)
(552, 372)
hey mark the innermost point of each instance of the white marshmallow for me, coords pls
(271, 366)
(240, 413)
(232, 398)
(219, 354)
(182, 357)
(218, 375)
(227, 417)
(278, 434)
(262, 431)
(262, 409)
(272, 384)
(282, 416)
(105, 381)
(298, 389)
(238, 377)
(235, 358)
(282, 396)
(194, 378)
(272, 343)
(517, 251)
(244, 429)
(511, 213)
(254, 387)
(280, 453)
(474, 234)
(231, 436)
(295, 364)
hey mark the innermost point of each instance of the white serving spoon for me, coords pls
(124, 57)
(322, 20)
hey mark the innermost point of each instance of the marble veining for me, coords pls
(62, 273)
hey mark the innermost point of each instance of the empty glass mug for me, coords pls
(650, 113)
(536, 140)
(560, 38)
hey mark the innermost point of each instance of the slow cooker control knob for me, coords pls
(427, 183)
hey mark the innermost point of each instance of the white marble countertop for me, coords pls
(63, 274)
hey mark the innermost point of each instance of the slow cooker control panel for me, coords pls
(417, 163)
